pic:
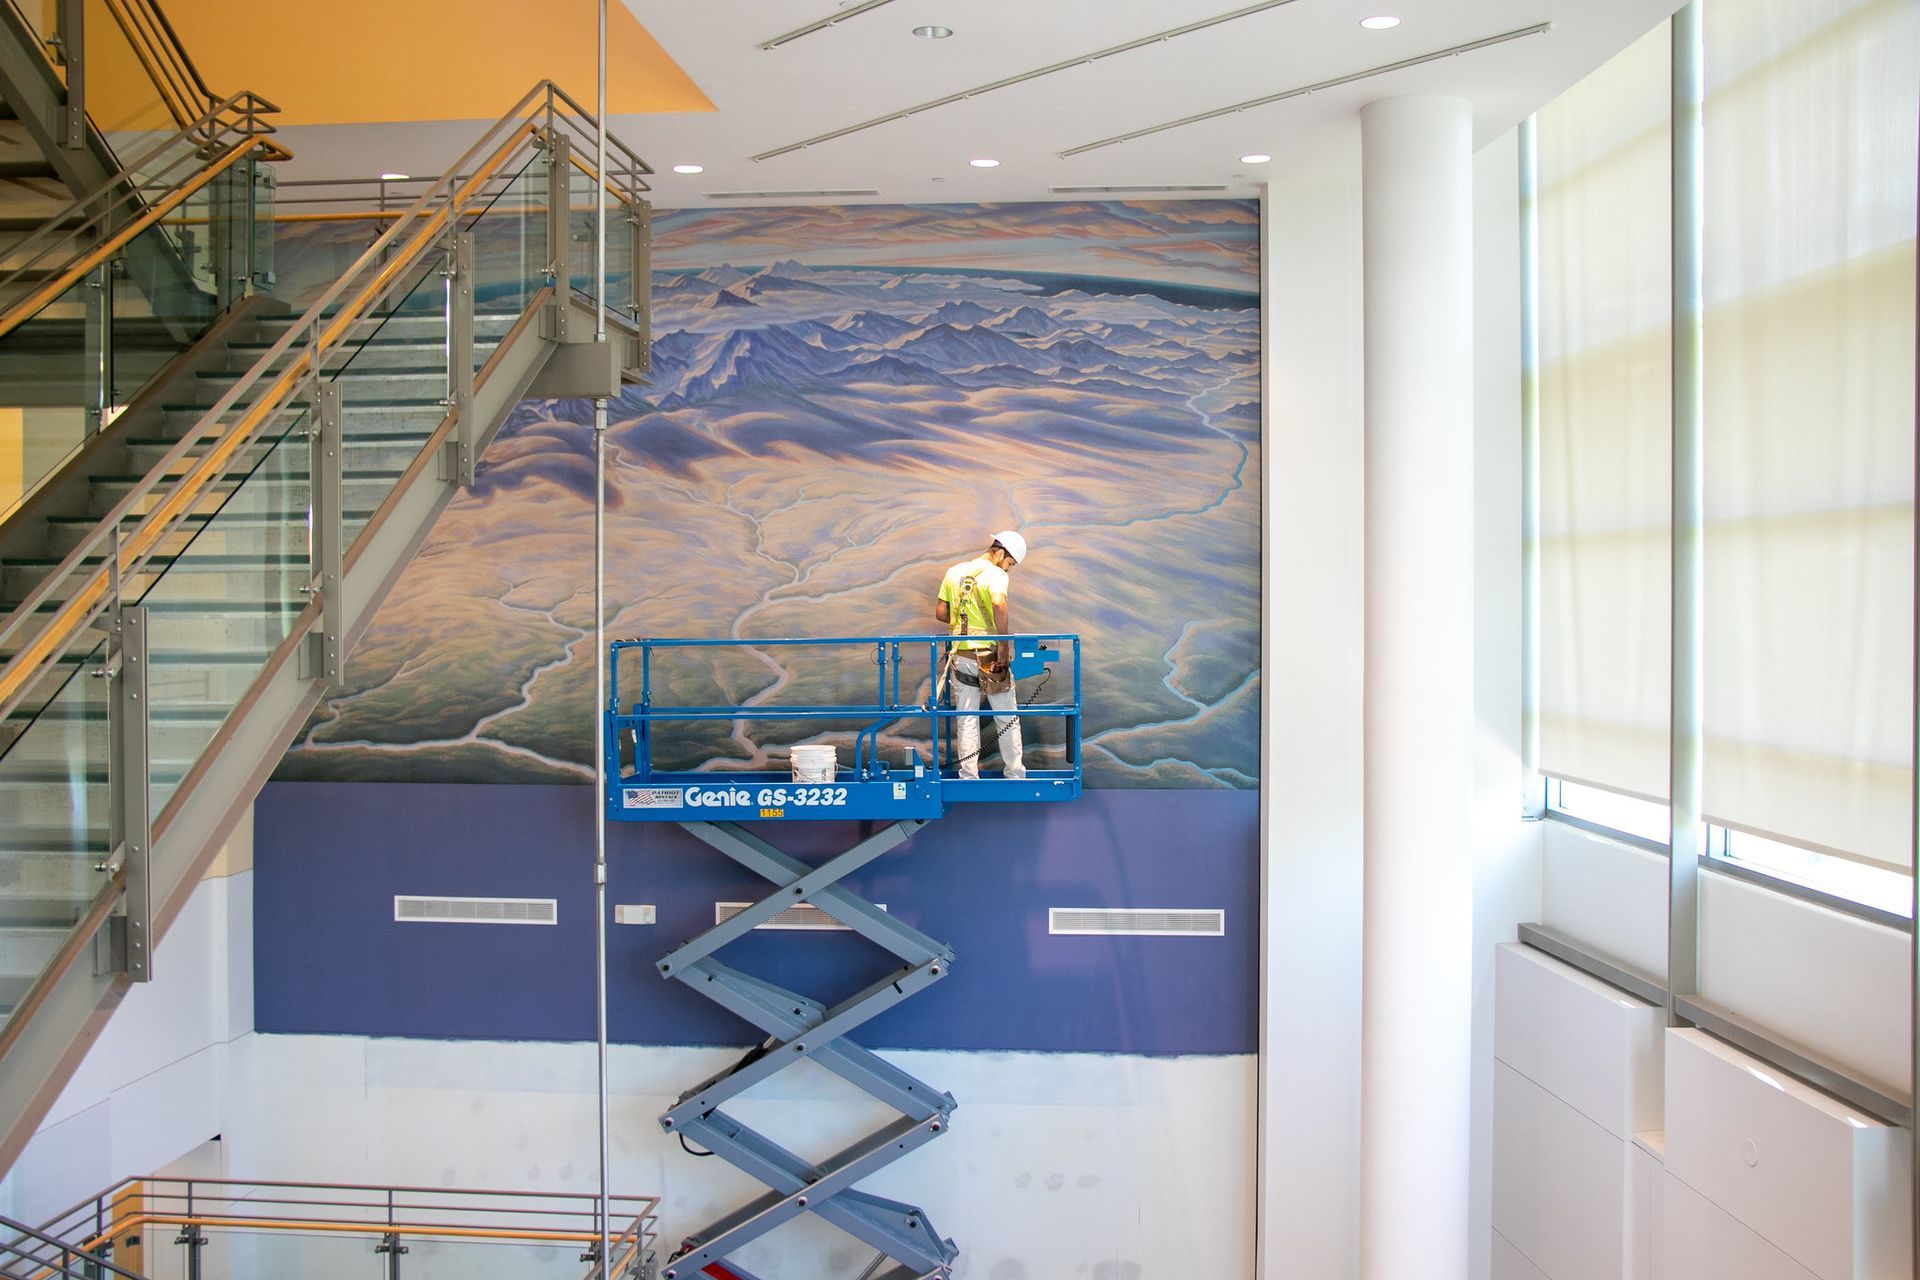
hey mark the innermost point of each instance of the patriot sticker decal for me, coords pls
(651, 798)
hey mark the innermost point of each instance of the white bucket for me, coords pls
(813, 763)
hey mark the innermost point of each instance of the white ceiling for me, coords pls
(870, 65)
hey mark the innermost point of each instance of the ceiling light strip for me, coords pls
(1112, 191)
(1085, 59)
(1304, 90)
(789, 195)
(851, 11)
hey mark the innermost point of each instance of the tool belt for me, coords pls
(992, 678)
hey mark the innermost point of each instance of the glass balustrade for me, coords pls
(79, 355)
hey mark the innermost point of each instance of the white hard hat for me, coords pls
(1015, 544)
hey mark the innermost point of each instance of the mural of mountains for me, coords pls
(842, 403)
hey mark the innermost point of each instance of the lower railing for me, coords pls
(161, 1228)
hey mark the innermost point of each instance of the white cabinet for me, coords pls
(1822, 1184)
(1577, 1073)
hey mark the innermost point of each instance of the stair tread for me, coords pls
(248, 517)
(347, 407)
(225, 559)
(363, 437)
(134, 477)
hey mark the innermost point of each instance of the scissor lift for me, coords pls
(909, 793)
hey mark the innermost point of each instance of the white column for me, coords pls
(1417, 997)
(1312, 795)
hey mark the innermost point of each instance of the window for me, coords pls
(1808, 208)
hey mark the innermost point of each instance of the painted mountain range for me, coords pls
(841, 404)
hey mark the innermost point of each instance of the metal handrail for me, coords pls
(135, 1203)
(211, 129)
(22, 1232)
(149, 1188)
(324, 324)
(166, 59)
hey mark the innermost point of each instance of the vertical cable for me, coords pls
(1689, 505)
(600, 802)
(1530, 463)
(600, 194)
(1913, 879)
(600, 641)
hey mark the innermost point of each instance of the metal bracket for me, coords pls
(129, 777)
(460, 359)
(72, 39)
(324, 445)
(640, 287)
(559, 235)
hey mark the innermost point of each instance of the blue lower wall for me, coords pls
(329, 958)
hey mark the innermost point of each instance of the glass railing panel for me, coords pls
(228, 598)
(55, 373)
(393, 385)
(459, 1259)
(509, 254)
(70, 366)
(271, 1255)
(580, 235)
(53, 817)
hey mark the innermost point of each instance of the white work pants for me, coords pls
(966, 732)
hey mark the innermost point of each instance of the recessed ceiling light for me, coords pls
(1255, 158)
(933, 33)
(396, 177)
(1383, 22)
(689, 168)
(984, 163)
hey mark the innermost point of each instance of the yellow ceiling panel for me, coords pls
(384, 61)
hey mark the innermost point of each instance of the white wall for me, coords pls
(1311, 827)
(1057, 1164)
(155, 1085)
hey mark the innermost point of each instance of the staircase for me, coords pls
(178, 593)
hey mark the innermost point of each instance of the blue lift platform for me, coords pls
(907, 792)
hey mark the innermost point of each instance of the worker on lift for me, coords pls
(973, 601)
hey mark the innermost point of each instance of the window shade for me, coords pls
(1809, 340)
(1605, 304)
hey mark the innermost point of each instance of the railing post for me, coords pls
(390, 1246)
(640, 283)
(99, 340)
(191, 1238)
(128, 779)
(230, 233)
(460, 359)
(324, 444)
(560, 231)
(70, 29)
(262, 181)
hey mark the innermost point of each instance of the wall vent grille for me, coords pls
(1122, 191)
(420, 909)
(1156, 922)
(804, 916)
(789, 195)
